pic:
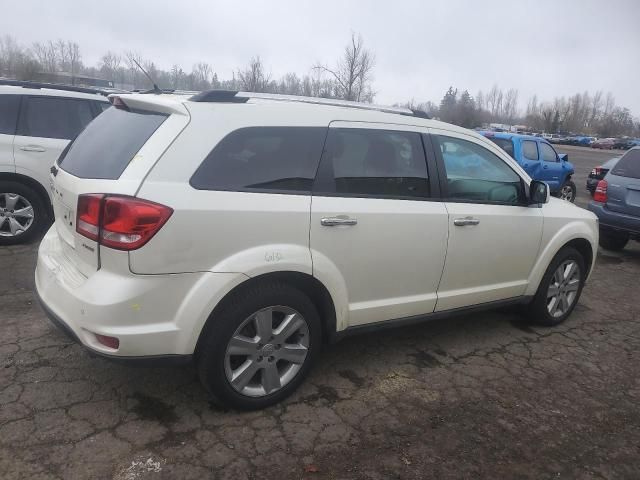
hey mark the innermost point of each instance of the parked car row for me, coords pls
(185, 228)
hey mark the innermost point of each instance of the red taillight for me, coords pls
(123, 223)
(88, 218)
(600, 195)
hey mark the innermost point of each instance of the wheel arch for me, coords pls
(34, 185)
(579, 240)
(308, 284)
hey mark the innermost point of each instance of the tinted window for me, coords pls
(530, 150)
(379, 163)
(54, 117)
(263, 158)
(474, 174)
(628, 165)
(505, 144)
(105, 148)
(9, 106)
(547, 153)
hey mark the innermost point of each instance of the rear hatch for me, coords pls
(623, 192)
(111, 156)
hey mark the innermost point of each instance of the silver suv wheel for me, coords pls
(266, 351)
(563, 288)
(16, 214)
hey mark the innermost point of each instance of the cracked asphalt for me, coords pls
(476, 396)
(481, 396)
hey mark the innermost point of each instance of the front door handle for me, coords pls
(466, 221)
(33, 148)
(545, 166)
(338, 221)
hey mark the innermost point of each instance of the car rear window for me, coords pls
(628, 165)
(505, 144)
(105, 148)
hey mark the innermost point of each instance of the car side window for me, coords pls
(263, 158)
(477, 175)
(530, 150)
(373, 163)
(547, 153)
(9, 107)
(54, 117)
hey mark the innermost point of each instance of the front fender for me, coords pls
(550, 247)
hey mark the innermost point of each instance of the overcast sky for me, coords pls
(551, 48)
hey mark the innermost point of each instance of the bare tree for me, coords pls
(46, 55)
(253, 78)
(202, 72)
(353, 72)
(131, 58)
(510, 105)
(75, 60)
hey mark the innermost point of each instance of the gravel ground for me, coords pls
(476, 396)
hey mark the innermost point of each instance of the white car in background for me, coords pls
(244, 230)
(36, 123)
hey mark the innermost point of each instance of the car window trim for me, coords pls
(442, 174)
(324, 173)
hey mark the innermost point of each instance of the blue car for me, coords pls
(616, 202)
(540, 160)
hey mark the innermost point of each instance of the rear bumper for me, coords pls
(152, 316)
(147, 360)
(615, 221)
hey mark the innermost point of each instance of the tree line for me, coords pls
(349, 77)
(582, 113)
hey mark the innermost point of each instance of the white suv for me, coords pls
(36, 123)
(244, 230)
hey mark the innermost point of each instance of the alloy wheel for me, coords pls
(266, 351)
(563, 288)
(16, 214)
(566, 193)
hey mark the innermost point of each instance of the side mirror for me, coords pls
(563, 157)
(539, 192)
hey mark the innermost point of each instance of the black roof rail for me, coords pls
(54, 86)
(231, 96)
(219, 96)
(420, 114)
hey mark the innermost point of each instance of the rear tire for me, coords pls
(542, 310)
(220, 361)
(17, 202)
(613, 242)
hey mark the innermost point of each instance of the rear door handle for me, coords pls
(467, 221)
(338, 221)
(33, 148)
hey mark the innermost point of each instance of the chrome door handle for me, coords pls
(33, 148)
(338, 221)
(463, 222)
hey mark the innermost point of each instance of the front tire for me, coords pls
(259, 348)
(568, 191)
(22, 213)
(559, 289)
(613, 242)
